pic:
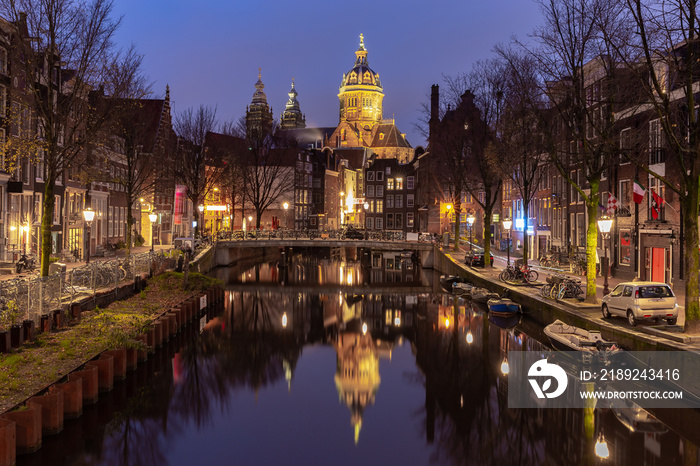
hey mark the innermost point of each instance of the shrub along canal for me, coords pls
(323, 361)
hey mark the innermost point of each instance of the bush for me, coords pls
(139, 240)
(121, 244)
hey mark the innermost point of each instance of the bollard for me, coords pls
(119, 366)
(105, 372)
(17, 335)
(132, 359)
(57, 318)
(27, 428)
(90, 381)
(45, 323)
(8, 442)
(29, 330)
(72, 397)
(51, 412)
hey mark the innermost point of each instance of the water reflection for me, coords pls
(308, 360)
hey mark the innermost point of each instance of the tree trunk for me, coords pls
(526, 243)
(487, 236)
(591, 246)
(129, 226)
(458, 215)
(691, 257)
(46, 222)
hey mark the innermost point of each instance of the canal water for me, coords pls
(317, 360)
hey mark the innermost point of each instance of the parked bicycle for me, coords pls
(549, 261)
(515, 273)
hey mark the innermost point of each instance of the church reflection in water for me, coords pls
(278, 314)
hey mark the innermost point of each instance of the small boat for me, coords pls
(446, 281)
(504, 322)
(462, 288)
(566, 337)
(482, 295)
(503, 307)
(638, 419)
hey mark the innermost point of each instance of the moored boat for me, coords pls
(446, 281)
(462, 288)
(506, 321)
(565, 337)
(503, 307)
(482, 295)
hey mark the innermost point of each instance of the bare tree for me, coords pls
(520, 145)
(192, 126)
(66, 47)
(580, 77)
(268, 172)
(668, 66)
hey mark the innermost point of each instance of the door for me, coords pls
(658, 265)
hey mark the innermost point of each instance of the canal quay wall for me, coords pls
(545, 311)
(23, 426)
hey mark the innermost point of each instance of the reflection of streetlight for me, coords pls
(284, 320)
(364, 328)
(89, 216)
(505, 367)
(152, 217)
(470, 337)
(470, 221)
(601, 447)
(604, 224)
(507, 224)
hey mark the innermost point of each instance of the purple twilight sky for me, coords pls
(209, 51)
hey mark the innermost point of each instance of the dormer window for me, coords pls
(381, 136)
(353, 77)
(367, 78)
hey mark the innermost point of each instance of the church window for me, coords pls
(367, 78)
(381, 136)
(353, 77)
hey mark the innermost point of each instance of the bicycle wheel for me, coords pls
(503, 276)
(531, 276)
(562, 291)
(545, 291)
(578, 293)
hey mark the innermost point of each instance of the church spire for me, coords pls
(361, 53)
(292, 116)
(259, 114)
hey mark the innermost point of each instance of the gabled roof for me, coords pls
(388, 135)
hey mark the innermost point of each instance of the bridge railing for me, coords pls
(306, 234)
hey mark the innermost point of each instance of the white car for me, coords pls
(641, 300)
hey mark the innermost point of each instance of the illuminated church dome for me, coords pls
(361, 92)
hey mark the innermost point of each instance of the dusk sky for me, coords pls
(209, 51)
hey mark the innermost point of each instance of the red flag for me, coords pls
(656, 203)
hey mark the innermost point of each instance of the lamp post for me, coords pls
(470, 221)
(201, 219)
(286, 207)
(507, 224)
(89, 216)
(152, 217)
(448, 207)
(605, 224)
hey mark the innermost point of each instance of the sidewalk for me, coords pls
(500, 259)
(119, 254)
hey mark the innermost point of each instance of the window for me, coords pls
(381, 136)
(57, 210)
(15, 117)
(399, 183)
(110, 230)
(388, 170)
(623, 194)
(379, 223)
(410, 180)
(317, 183)
(380, 207)
(409, 219)
(3, 61)
(389, 183)
(370, 176)
(380, 191)
(625, 248)
(380, 176)
(409, 201)
(390, 202)
(370, 190)
(389, 221)
(369, 223)
(398, 201)
(625, 144)
(398, 222)
(655, 143)
(2, 149)
(40, 167)
(37, 206)
(656, 212)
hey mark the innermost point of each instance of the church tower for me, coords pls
(258, 116)
(361, 93)
(292, 117)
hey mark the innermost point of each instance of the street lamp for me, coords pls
(89, 216)
(507, 224)
(605, 224)
(201, 215)
(470, 221)
(152, 217)
(286, 207)
(448, 207)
